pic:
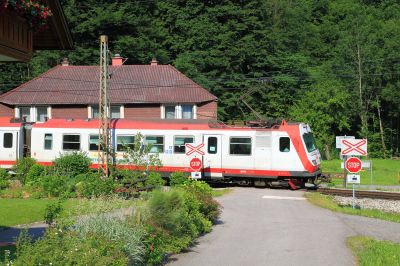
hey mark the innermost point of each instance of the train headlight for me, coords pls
(314, 162)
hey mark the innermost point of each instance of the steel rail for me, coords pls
(360, 193)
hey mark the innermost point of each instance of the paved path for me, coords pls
(279, 227)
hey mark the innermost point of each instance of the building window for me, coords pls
(240, 146)
(95, 111)
(178, 111)
(41, 113)
(8, 140)
(125, 141)
(284, 144)
(156, 142)
(71, 142)
(179, 143)
(48, 141)
(187, 111)
(25, 113)
(170, 112)
(93, 142)
(115, 111)
(212, 145)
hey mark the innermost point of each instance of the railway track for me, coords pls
(360, 193)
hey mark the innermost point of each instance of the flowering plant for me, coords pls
(35, 11)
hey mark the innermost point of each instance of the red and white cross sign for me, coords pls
(354, 147)
(194, 149)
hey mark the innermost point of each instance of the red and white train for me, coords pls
(282, 154)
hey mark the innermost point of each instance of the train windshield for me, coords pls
(309, 141)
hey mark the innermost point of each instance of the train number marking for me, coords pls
(194, 149)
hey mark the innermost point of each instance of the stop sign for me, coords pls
(195, 164)
(353, 165)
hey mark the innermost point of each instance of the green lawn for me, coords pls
(370, 252)
(327, 202)
(24, 211)
(384, 172)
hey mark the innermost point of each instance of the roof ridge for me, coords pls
(28, 82)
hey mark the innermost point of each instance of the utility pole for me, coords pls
(103, 141)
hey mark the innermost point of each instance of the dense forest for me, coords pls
(332, 63)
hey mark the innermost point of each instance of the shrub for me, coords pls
(177, 212)
(59, 248)
(22, 168)
(52, 211)
(209, 207)
(3, 179)
(72, 164)
(154, 179)
(34, 173)
(56, 186)
(178, 178)
(115, 228)
(90, 184)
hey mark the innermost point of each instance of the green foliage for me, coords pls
(34, 173)
(3, 179)
(22, 167)
(209, 207)
(56, 185)
(154, 179)
(52, 211)
(68, 248)
(174, 220)
(72, 164)
(91, 185)
(117, 229)
(178, 178)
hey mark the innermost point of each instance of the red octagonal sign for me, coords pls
(353, 165)
(195, 164)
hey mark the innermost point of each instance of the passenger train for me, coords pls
(278, 155)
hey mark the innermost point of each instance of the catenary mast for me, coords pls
(103, 140)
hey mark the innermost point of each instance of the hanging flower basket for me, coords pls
(34, 11)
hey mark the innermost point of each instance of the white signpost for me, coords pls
(195, 163)
(350, 146)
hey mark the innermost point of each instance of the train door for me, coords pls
(212, 159)
(9, 145)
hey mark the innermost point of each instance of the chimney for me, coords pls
(65, 62)
(117, 60)
(154, 62)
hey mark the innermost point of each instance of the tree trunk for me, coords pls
(327, 152)
(378, 107)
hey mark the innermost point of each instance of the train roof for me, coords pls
(8, 122)
(180, 124)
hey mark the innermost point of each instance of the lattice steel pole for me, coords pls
(103, 142)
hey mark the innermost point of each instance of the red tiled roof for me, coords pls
(128, 84)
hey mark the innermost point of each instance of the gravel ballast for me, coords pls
(365, 203)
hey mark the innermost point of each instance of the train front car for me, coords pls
(308, 152)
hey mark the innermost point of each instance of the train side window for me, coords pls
(212, 145)
(179, 143)
(93, 142)
(8, 140)
(156, 142)
(240, 146)
(48, 141)
(125, 141)
(284, 144)
(71, 142)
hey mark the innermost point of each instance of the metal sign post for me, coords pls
(353, 179)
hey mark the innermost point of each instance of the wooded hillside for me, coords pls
(334, 64)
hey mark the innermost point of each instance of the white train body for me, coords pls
(11, 142)
(237, 153)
